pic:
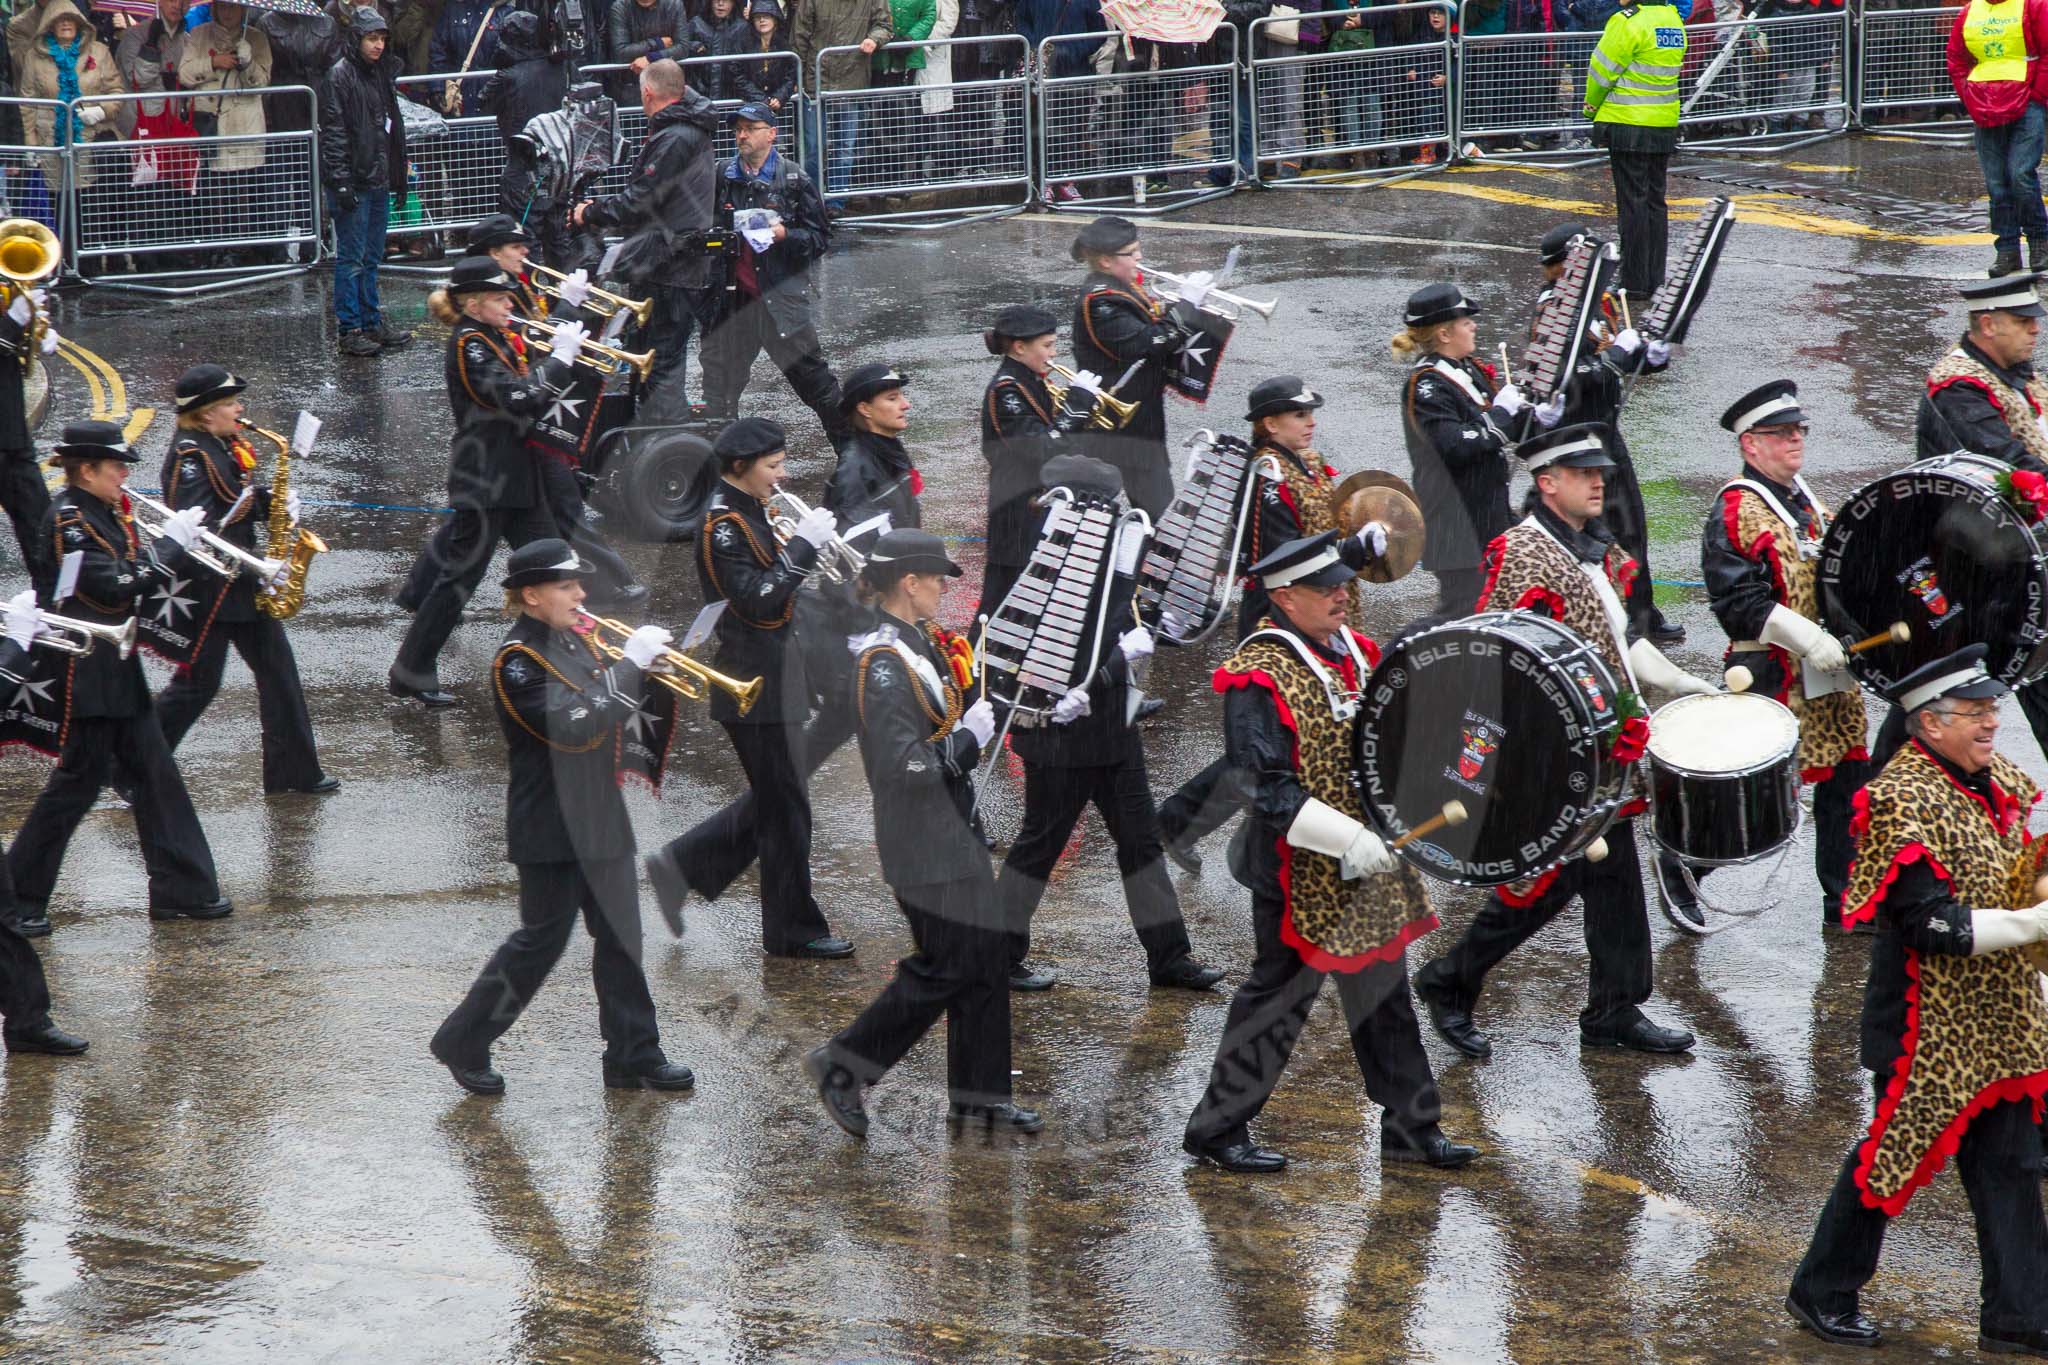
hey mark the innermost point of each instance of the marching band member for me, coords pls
(493, 472)
(1563, 561)
(1955, 1033)
(212, 467)
(1761, 547)
(510, 246)
(112, 722)
(875, 473)
(1091, 751)
(23, 495)
(739, 563)
(562, 708)
(1327, 895)
(919, 742)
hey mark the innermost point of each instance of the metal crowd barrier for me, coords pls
(1361, 103)
(453, 179)
(1115, 136)
(1776, 82)
(1526, 91)
(35, 182)
(1902, 73)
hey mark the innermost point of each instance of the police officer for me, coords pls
(561, 706)
(211, 466)
(1632, 98)
(875, 474)
(112, 721)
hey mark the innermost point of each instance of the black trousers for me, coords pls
(564, 494)
(714, 852)
(24, 993)
(731, 347)
(772, 822)
(1054, 799)
(1999, 1159)
(1645, 221)
(1266, 1018)
(678, 312)
(1833, 849)
(26, 498)
(1630, 522)
(1457, 592)
(1617, 935)
(290, 762)
(473, 536)
(174, 848)
(960, 971)
(606, 891)
(1204, 804)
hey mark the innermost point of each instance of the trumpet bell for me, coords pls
(29, 252)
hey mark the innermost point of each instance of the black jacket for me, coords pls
(1021, 428)
(1961, 417)
(1100, 739)
(636, 30)
(756, 78)
(1114, 326)
(120, 573)
(874, 475)
(201, 470)
(362, 136)
(528, 80)
(709, 38)
(922, 785)
(738, 562)
(560, 705)
(1742, 591)
(782, 273)
(15, 345)
(496, 396)
(669, 198)
(1460, 460)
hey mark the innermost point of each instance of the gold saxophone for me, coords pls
(295, 545)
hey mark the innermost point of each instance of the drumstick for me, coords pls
(1623, 298)
(1453, 813)
(981, 643)
(1899, 633)
(1739, 679)
(1596, 852)
(1507, 374)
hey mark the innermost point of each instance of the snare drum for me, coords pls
(1937, 546)
(1510, 714)
(1724, 777)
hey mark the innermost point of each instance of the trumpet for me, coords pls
(1220, 302)
(838, 562)
(641, 309)
(221, 555)
(68, 635)
(679, 673)
(1111, 412)
(595, 354)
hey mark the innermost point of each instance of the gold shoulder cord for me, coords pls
(498, 682)
(761, 556)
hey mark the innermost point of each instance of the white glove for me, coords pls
(40, 298)
(1372, 538)
(182, 528)
(1994, 930)
(980, 721)
(575, 290)
(293, 505)
(1367, 857)
(1087, 381)
(647, 644)
(1072, 707)
(1195, 288)
(50, 340)
(1510, 400)
(1659, 353)
(1548, 412)
(1627, 343)
(22, 619)
(92, 116)
(1322, 828)
(817, 527)
(1788, 630)
(1654, 670)
(1136, 644)
(567, 342)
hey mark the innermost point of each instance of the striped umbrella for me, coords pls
(1165, 21)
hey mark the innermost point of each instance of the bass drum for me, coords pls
(1509, 714)
(1936, 545)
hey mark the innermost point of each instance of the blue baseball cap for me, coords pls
(754, 113)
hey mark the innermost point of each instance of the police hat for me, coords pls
(499, 229)
(865, 382)
(1557, 243)
(1960, 675)
(1434, 303)
(94, 441)
(1775, 404)
(1582, 445)
(1082, 473)
(364, 20)
(479, 275)
(2015, 294)
(749, 438)
(908, 551)
(1310, 562)
(544, 561)
(754, 113)
(204, 384)
(1105, 236)
(1284, 394)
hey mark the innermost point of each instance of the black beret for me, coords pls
(1102, 237)
(749, 438)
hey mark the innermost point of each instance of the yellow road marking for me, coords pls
(92, 379)
(138, 422)
(1809, 168)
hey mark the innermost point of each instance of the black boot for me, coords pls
(2006, 262)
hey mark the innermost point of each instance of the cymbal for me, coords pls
(1375, 495)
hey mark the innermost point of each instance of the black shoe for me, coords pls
(220, 907)
(1663, 632)
(1837, 1329)
(2024, 1344)
(1184, 856)
(389, 337)
(45, 1038)
(1150, 707)
(671, 889)
(1188, 974)
(2037, 254)
(1241, 1155)
(1452, 1022)
(2006, 262)
(1681, 906)
(661, 1076)
(630, 597)
(31, 920)
(1025, 977)
(1431, 1149)
(433, 698)
(477, 1080)
(838, 1091)
(326, 786)
(824, 946)
(1012, 1118)
(1640, 1035)
(357, 342)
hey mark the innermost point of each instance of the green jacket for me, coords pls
(1633, 76)
(913, 20)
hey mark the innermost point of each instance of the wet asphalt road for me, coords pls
(259, 1161)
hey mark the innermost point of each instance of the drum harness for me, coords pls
(1343, 701)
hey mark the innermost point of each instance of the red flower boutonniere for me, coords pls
(2026, 491)
(1632, 740)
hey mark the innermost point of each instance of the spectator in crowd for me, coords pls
(769, 81)
(530, 80)
(941, 154)
(1793, 59)
(23, 30)
(362, 164)
(148, 52)
(1065, 111)
(644, 31)
(975, 125)
(412, 34)
(147, 58)
(822, 24)
(68, 63)
(465, 41)
(1360, 115)
(1280, 117)
(910, 21)
(1999, 74)
(1424, 76)
(717, 32)
(224, 56)
(1227, 46)
(302, 47)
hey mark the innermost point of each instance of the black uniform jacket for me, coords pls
(15, 350)
(1114, 326)
(739, 562)
(1962, 417)
(560, 705)
(207, 472)
(1595, 388)
(1743, 591)
(116, 579)
(922, 786)
(1275, 521)
(782, 273)
(874, 475)
(1459, 458)
(1021, 428)
(496, 393)
(1099, 739)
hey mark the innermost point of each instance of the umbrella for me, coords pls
(574, 145)
(1165, 21)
